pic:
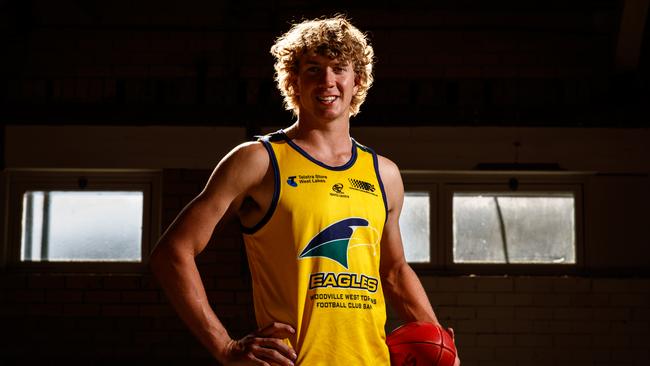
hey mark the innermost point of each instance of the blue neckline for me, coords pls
(345, 166)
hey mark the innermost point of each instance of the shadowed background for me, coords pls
(174, 85)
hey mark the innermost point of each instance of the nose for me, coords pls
(327, 77)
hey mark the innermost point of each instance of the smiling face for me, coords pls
(325, 87)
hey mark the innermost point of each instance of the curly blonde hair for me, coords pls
(333, 37)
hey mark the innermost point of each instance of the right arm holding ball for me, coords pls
(401, 285)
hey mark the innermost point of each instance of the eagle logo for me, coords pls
(334, 241)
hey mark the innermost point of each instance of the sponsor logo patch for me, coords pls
(337, 191)
(311, 178)
(362, 186)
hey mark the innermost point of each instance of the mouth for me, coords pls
(327, 99)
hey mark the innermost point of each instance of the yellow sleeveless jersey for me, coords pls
(314, 257)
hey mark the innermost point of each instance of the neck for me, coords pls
(334, 128)
(329, 143)
(335, 134)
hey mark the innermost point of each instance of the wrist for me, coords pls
(223, 348)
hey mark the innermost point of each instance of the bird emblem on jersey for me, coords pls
(333, 242)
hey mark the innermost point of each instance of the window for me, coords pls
(513, 228)
(415, 225)
(91, 226)
(492, 222)
(80, 220)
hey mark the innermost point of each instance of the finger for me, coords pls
(278, 345)
(252, 359)
(277, 330)
(271, 355)
(451, 332)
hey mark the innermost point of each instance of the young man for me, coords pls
(320, 216)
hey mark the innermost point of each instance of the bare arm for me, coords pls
(174, 266)
(401, 285)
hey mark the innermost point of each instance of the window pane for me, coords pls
(81, 226)
(514, 228)
(414, 224)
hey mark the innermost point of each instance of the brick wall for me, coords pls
(545, 320)
(549, 63)
(59, 318)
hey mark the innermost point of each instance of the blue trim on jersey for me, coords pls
(381, 184)
(276, 189)
(345, 166)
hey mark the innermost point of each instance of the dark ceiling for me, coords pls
(439, 63)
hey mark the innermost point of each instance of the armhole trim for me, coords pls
(375, 162)
(276, 190)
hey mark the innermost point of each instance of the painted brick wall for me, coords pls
(106, 318)
(545, 320)
(511, 63)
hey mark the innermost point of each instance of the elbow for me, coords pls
(167, 257)
(161, 258)
(157, 260)
(391, 274)
(389, 277)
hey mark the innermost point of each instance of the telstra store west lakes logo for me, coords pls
(334, 241)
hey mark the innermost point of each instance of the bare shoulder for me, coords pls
(389, 171)
(242, 168)
(252, 152)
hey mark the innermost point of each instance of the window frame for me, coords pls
(443, 185)
(19, 181)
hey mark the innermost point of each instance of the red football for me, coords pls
(421, 343)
